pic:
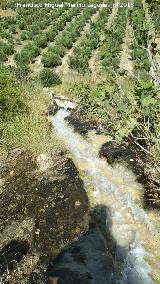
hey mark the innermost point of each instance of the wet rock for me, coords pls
(70, 169)
(52, 109)
(80, 126)
(82, 262)
(12, 253)
(43, 162)
(38, 275)
(113, 152)
(64, 102)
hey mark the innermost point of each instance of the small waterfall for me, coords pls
(116, 188)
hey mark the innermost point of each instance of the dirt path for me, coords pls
(95, 66)
(125, 58)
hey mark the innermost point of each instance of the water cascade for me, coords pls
(132, 227)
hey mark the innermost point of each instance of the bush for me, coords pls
(41, 41)
(6, 48)
(49, 78)
(3, 56)
(21, 24)
(30, 130)
(51, 59)
(23, 35)
(57, 49)
(66, 41)
(11, 102)
(27, 54)
(51, 34)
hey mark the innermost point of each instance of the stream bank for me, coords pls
(43, 208)
(49, 213)
(116, 187)
(126, 153)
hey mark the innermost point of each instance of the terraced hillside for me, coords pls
(79, 142)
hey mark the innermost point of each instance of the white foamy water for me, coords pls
(132, 228)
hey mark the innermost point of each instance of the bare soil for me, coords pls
(43, 211)
(125, 58)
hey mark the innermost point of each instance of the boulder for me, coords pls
(113, 152)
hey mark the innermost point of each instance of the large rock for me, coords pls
(85, 261)
(81, 126)
(64, 102)
(113, 152)
(12, 253)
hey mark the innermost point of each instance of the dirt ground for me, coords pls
(41, 212)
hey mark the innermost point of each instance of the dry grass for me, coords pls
(32, 131)
(72, 78)
(7, 13)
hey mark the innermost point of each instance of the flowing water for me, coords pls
(134, 230)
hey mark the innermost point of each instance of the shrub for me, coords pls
(51, 34)
(41, 41)
(79, 62)
(57, 49)
(51, 59)
(27, 54)
(49, 78)
(67, 41)
(7, 48)
(21, 24)
(21, 72)
(3, 56)
(12, 30)
(23, 35)
(11, 102)
(30, 130)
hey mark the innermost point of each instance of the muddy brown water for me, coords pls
(42, 212)
(135, 229)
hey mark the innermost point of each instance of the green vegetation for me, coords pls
(111, 45)
(139, 47)
(49, 78)
(52, 57)
(27, 55)
(11, 102)
(22, 120)
(127, 104)
(6, 49)
(135, 113)
(83, 52)
(155, 11)
(33, 48)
